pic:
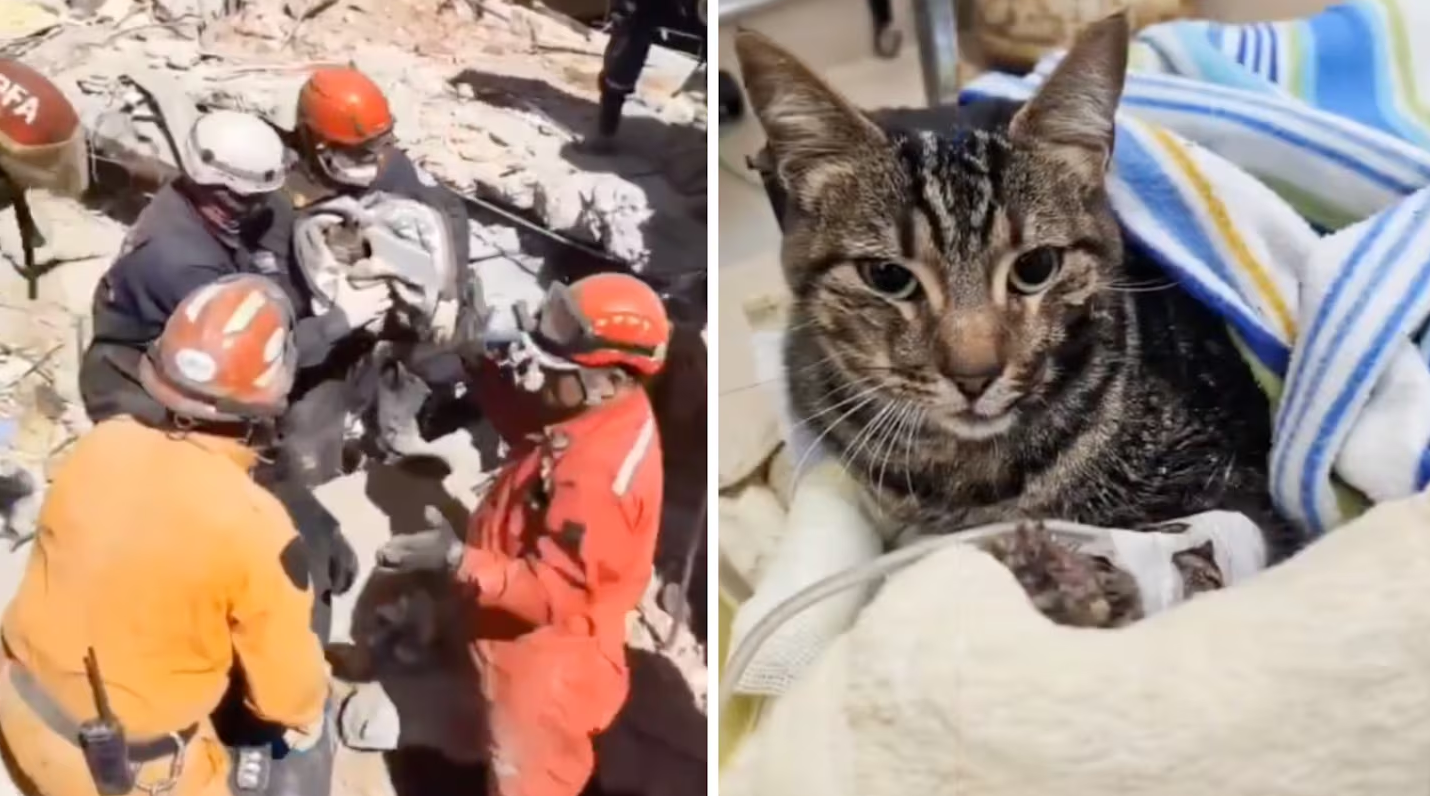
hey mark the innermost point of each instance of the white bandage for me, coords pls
(1238, 548)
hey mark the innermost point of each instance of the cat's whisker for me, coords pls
(826, 410)
(1139, 287)
(879, 434)
(891, 439)
(909, 448)
(856, 445)
(806, 366)
(814, 446)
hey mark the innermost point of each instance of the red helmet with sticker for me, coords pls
(42, 143)
(226, 354)
(605, 320)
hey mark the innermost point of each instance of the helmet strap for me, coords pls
(256, 434)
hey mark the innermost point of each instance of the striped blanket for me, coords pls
(1280, 172)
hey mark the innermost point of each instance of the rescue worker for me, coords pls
(633, 27)
(562, 546)
(161, 557)
(208, 223)
(344, 146)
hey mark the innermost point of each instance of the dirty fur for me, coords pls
(971, 333)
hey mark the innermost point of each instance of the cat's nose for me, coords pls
(972, 385)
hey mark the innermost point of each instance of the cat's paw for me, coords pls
(1067, 586)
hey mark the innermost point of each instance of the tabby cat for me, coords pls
(971, 333)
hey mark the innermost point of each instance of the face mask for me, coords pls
(358, 167)
(226, 209)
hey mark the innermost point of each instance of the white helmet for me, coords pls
(238, 151)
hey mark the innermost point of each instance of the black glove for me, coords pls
(436, 549)
(342, 565)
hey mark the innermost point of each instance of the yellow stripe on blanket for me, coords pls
(1245, 260)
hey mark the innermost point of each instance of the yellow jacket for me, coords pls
(159, 551)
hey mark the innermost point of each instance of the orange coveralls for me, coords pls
(559, 551)
(159, 552)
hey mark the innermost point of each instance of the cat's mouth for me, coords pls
(976, 427)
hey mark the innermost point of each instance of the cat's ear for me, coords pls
(815, 135)
(1072, 114)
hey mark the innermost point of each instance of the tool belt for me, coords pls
(54, 717)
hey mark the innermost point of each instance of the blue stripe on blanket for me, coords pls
(1357, 389)
(1315, 476)
(1273, 67)
(1282, 134)
(1351, 81)
(1315, 470)
(1404, 154)
(1140, 171)
(1291, 415)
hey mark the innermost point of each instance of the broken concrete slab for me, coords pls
(502, 126)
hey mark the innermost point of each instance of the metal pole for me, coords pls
(936, 25)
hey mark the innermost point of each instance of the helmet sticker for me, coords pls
(200, 299)
(273, 349)
(195, 365)
(246, 311)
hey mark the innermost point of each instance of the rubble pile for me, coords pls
(493, 106)
(493, 100)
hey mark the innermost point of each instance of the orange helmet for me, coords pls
(605, 320)
(346, 124)
(226, 354)
(342, 107)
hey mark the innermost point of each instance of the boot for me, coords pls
(608, 121)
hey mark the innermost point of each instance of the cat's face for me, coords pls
(942, 270)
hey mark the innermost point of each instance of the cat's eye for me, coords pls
(1034, 270)
(891, 279)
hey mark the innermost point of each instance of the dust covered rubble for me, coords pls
(503, 132)
(490, 106)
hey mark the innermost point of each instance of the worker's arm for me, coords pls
(316, 335)
(152, 278)
(586, 538)
(282, 661)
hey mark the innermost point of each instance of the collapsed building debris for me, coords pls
(494, 105)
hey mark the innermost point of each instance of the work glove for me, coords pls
(342, 565)
(437, 549)
(362, 305)
(301, 739)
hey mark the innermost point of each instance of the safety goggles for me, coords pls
(561, 331)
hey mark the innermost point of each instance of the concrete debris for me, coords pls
(491, 107)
